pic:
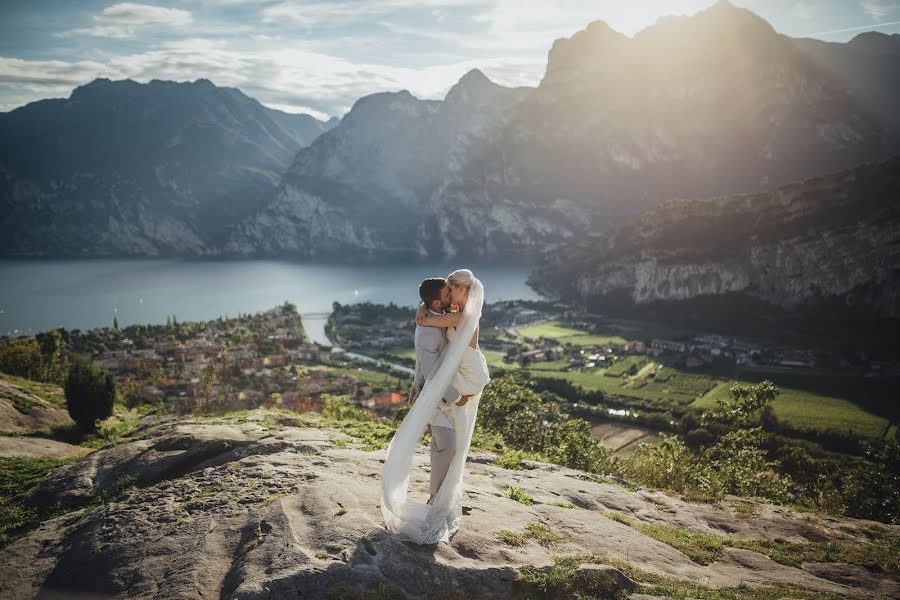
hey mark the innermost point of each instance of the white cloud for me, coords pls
(129, 13)
(121, 20)
(294, 76)
(878, 10)
(331, 12)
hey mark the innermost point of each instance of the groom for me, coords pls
(430, 342)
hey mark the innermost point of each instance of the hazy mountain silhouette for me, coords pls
(156, 168)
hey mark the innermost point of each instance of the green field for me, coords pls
(823, 409)
(555, 330)
(624, 366)
(373, 377)
(402, 352)
(806, 409)
(798, 408)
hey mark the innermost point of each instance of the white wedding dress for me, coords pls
(467, 369)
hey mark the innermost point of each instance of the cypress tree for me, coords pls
(90, 393)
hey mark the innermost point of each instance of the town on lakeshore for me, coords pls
(640, 376)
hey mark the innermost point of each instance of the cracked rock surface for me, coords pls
(254, 509)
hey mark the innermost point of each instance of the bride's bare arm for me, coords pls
(423, 317)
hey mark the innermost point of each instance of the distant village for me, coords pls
(270, 363)
(360, 327)
(265, 359)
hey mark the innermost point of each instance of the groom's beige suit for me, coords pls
(430, 342)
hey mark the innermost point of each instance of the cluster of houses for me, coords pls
(695, 352)
(184, 362)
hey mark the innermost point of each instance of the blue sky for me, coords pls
(319, 56)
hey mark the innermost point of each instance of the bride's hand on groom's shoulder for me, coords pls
(420, 315)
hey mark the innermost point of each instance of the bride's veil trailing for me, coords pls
(414, 520)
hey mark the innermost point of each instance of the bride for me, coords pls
(462, 364)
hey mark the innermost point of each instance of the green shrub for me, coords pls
(90, 393)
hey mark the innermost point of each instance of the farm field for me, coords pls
(566, 335)
(806, 409)
(642, 378)
(796, 407)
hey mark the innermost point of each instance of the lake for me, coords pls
(41, 294)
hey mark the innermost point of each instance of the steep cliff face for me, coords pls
(408, 177)
(718, 102)
(146, 169)
(827, 238)
(714, 103)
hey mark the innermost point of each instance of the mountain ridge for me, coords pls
(829, 237)
(616, 125)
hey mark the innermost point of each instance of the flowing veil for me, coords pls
(414, 520)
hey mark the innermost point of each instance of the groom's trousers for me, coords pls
(443, 447)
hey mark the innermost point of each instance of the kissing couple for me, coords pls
(451, 373)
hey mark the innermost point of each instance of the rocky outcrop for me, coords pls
(22, 411)
(259, 507)
(123, 168)
(835, 237)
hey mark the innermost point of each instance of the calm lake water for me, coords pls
(38, 294)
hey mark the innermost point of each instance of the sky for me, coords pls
(320, 56)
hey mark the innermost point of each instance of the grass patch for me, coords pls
(209, 490)
(519, 495)
(50, 392)
(532, 531)
(122, 422)
(704, 548)
(562, 504)
(659, 585)
(513, 459)
(618, 517)
(374, 435)
(541, 534)
(19, 474)
(562, 580)
(512, 538)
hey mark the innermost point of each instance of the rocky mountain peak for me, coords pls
(101, 86)
(875, 41)
(474, 87)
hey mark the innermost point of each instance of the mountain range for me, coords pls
(692, 106)
(709, 105)
(123, 168)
